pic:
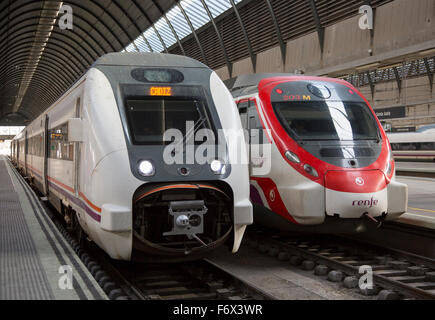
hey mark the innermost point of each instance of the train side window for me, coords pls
(26, 146)
(243, 111)
(60, 148)
(243, 106)
(31, 140)
(257, 136)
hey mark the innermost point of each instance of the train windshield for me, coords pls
(149, 118)
(327, 120)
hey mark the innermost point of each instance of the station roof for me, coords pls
(39, 60)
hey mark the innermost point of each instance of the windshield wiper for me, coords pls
(367, 139)
(198, 124)
(320, 139)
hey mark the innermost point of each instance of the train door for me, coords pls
(243, 112)
(254, 136)
(260, 148)
(77, 153)
(18, 154)
(26, 151)
(46, 154)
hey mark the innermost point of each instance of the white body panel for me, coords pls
(411, 144)
(239, 177)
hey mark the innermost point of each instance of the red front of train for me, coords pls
(324, 153)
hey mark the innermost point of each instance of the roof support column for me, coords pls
(245, 34)
(227, 60)
(170, 25)
(204, 58)
(153, 26)
(429, 73)
(278, 32)
(371, 83)
(398, 80)
(320, 29)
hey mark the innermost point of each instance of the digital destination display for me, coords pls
(157, 75)
(160, 91)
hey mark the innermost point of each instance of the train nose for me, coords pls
(351, 194)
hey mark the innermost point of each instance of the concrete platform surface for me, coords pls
(421, 201)
(428, 167)
(36, 263)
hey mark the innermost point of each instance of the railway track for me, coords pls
(121, 280)
(396, 274)
(197, 280)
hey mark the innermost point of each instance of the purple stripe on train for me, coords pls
(255, 196)
(77, 201)
(73, 199)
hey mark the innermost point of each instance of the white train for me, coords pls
(419, 145)
(327, 161)
(97, 153)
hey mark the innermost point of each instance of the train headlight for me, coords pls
(218, 167)
(310, 170)
(146, 168)
(389, 167)
(292, 157)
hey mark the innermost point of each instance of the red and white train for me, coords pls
(323, 158)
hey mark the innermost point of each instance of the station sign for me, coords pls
(403, 129)
(391, 113)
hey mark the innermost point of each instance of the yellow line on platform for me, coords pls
(418, 209)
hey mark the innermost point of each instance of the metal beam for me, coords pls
(204, 58)
(319, 27)
(372, 31)
(221, 42)
(429, 72)
(278, 32)
(21, 31)
(245, 34)
(152, 26)
(371, 83)
(109, 13)
(398, 80)
(170, 25)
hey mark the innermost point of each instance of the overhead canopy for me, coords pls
(39, 60)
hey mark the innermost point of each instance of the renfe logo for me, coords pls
(365, 203)
(359, 181)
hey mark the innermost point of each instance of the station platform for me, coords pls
(421, 202)
(36, 262)
(410, 168)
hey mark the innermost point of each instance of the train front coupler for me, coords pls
(188, 219)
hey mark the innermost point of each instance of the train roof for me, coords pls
(426, 128)
(147, 59)
(248, 83)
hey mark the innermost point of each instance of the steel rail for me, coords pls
(380, 280)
